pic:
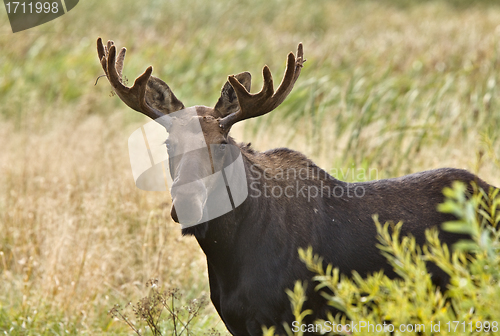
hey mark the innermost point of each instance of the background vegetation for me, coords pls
(396, 86)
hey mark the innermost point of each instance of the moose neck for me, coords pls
(270, 190)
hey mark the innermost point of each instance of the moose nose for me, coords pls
(188, 203)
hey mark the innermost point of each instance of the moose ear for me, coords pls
(228, 102)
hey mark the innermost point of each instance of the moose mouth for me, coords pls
(205, 199)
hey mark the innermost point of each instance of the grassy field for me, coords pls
(391, 86)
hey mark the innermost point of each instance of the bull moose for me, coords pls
(251, 250)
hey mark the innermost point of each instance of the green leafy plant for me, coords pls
(412, 304)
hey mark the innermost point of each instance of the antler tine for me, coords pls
(254, 105)
(100, 49)
(119, 63)
(135, 96)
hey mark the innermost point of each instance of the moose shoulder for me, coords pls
(251, 249)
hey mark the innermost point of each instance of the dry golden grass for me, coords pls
(75, 230)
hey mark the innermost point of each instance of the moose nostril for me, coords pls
(173, 214)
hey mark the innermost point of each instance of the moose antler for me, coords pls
(149, 94)
(254, 105)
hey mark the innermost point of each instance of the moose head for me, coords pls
(193, 130)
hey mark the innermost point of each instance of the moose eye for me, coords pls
(169, 145)
(166, 121)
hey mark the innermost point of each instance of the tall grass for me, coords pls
(398, 86)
